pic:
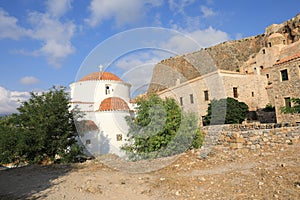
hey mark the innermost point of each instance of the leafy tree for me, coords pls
(159, 129)
(226, 111)
(269, 108)
(294, 109)
(44, 128)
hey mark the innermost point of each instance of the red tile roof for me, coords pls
(101, 76)
(113, 103)
(86, 125)
(288, 58)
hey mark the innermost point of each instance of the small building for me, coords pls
(195, 95)
(104, 101)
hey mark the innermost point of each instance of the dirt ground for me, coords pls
(224, 174)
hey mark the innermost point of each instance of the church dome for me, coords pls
(101, 76)
(113, 104)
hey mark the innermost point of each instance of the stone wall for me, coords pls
(251, 136)
(278, 90)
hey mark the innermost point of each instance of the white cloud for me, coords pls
(125, 12)
(10, 100)
(193, 41)
(137, 69)
(178, 6)
(58, 7)
(9, 27)
(54, 34)
(207, 12)
(29, 80)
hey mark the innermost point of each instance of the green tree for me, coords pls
(226, 111)
(158, 122)
(293, 109)
(44, 128)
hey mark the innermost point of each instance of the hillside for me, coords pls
(227, 56)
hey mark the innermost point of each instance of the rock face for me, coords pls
(226, 56)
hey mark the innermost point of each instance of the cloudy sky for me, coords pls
(55, 42)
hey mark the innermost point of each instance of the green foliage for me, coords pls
(295, 109)
(160, 129)
(43, 129)
(269, 108)
(226, 111)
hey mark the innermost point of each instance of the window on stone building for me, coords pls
(270, 44)
(268, 75)
(181, 101)
(284, 75)
(261, 67)
(191, 98)
(252, 94)
(119, 137)
(235, 92)
(88, 142)
(287, 101)
(264, 51)
(206, 97)
(283, 42)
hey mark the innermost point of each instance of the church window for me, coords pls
(235, 92)
(206, 97)
(284, 75)
(119, 137)
(107, 89)
(191, 98)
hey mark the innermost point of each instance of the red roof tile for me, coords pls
(101, 76)
(113, 103)
(287, 59)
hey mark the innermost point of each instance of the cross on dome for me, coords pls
(100, 68)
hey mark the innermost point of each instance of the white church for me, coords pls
(104, 100)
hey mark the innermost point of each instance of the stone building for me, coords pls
(195, 95)
(284, 84)
(257, 70)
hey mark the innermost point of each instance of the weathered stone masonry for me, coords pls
(250, 136)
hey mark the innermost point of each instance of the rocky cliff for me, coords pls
(227, 56)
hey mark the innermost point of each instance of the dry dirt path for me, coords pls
(226, 174)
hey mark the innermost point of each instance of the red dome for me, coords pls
(101, 76)
(113, 103)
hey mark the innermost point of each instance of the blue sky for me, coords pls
(54, 42)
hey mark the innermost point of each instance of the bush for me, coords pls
(160, 129)
(226, 111)
(295, 109)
